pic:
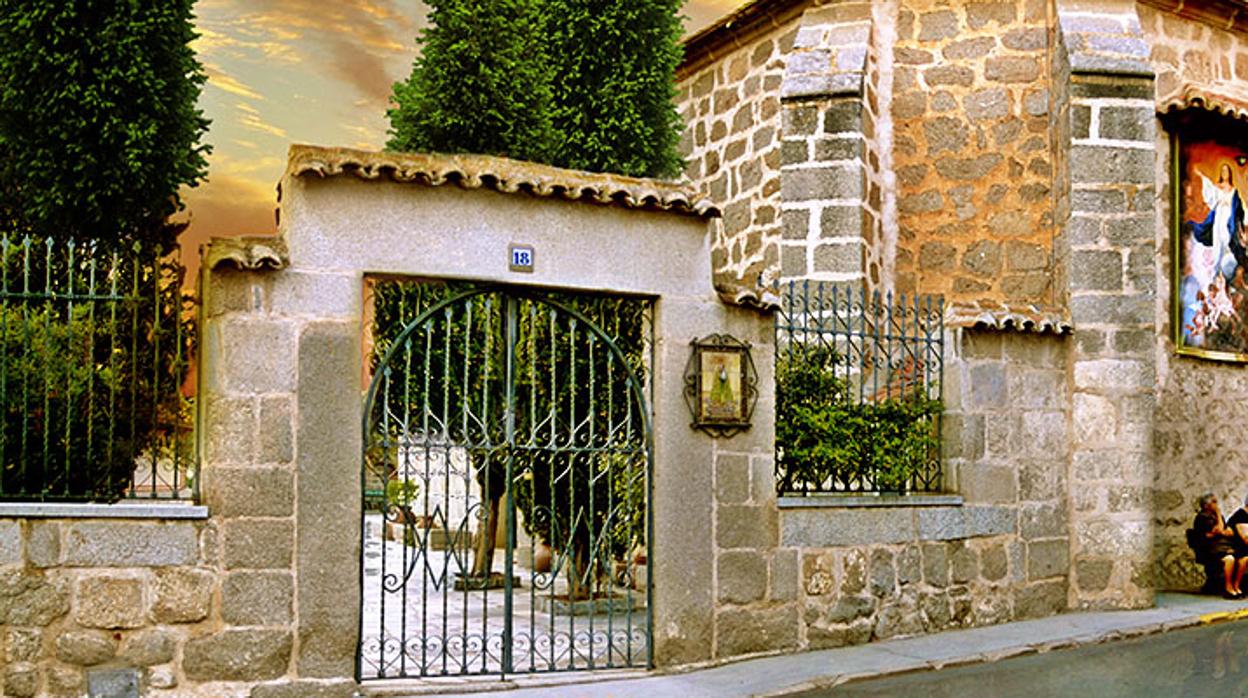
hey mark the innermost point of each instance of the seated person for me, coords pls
(1217, 542)
(1238, 523)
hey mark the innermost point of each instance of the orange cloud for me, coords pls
(369, 137)
(225, 206)
(375, 24)
(221, 80)
(363, 70)
(251, 119)
(366, 41)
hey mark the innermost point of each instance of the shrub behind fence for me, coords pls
(857, 390)
(94, 353)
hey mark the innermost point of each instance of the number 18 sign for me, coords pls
(521, 258)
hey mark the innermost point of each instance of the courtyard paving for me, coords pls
(417, 624)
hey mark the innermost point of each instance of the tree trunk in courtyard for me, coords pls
(487, 537)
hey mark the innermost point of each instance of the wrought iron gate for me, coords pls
(507, 465)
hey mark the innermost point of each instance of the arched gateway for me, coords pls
(506, 470)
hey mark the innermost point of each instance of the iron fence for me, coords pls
(858, 379)
(94, 349)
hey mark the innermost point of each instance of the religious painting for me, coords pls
(721, 386)
(1211, 247)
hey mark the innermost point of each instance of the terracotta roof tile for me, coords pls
(245, 253)
(1002, 316)
(502, 175)
(1223, 97)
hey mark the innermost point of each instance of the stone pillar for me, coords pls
(830, 203)
(328, 497)
(705, 529)
(1111, 249)
(1006, 442)
(281, 469)
(248, 479)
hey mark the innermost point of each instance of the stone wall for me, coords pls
(880, 230)
(731, 144)
(92, 595)
(1031, 171)
(818, 572)
(972, 146)
(260, 596)
(810, 84)
(259, 600)
(1197, 446)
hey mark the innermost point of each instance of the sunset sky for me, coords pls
(301, 71)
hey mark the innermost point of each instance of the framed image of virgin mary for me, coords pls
(1210, 243)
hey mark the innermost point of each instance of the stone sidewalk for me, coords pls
(781, 675)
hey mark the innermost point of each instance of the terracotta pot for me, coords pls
(542, 558)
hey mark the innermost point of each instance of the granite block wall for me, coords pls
(256, 600)
(797, 573)
(973, 153)
(1203, 46)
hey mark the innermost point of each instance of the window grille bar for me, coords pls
(859, 376)
(111, 422)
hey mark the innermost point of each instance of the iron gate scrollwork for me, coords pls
(506, 470)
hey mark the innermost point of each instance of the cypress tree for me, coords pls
(615, 85)
(98, 120)
(482, 83)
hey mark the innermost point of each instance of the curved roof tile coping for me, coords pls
(246, 253)
(502, 175)
(732, 292)
(1019, 318)
(1221, 96)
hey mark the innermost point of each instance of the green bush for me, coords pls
(90, 389)
(401, 493)
(823, 435)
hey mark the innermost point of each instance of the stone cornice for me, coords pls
(735, 31)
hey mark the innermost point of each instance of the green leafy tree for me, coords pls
(98, 120)
(573, 83)
(482, 83)
(615, 90)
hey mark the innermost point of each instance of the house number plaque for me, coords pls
(521, 258)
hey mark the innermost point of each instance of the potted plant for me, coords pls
(400, 494)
